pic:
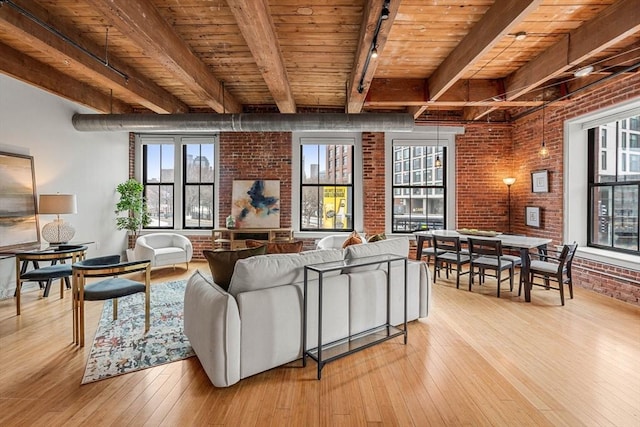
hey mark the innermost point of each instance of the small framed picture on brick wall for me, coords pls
(540, 181)
(532, 216)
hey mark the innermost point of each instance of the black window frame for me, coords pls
(200, 183)
(409, 189)
(332, 152)
(610, 219)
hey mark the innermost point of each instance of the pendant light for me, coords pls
(544, 151)
(438, 162)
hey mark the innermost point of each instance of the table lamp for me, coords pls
(57, 231)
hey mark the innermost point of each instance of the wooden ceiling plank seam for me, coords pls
(141, 22)
(147, 93)
(584, 42)
(43, 76)
(258, 30)
(499, 20)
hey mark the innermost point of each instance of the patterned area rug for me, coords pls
(121, 347)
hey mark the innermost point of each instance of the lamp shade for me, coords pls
(508, 181)
(57, 204)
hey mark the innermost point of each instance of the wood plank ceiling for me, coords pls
(475, 57)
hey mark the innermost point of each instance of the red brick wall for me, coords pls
(373, 186)
(527, 138)
(483, 157)
(255, 155)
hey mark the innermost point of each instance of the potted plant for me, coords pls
(133, 205)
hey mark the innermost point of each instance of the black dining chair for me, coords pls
(553, 269)
(111, 287)
(486, 254)
(58, 268)
(447, 253)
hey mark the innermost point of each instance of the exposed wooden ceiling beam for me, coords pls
(145, 92)
(499, 20)
(36, 73)
(141, 22)
(416, 111)
(362, 72)
(464, 93)
(476, 113)
(615, 23)
(257, 28)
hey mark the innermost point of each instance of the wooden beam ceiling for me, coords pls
(615, 23)
(141, 22)
(76, 60)
(499, 20)
(258, 30)
(33, 72)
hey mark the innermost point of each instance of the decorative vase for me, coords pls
(231, 221)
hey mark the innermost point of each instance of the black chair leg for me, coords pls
(47, 287)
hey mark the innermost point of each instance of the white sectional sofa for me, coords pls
(257, 324)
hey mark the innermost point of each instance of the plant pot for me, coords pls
(130, 256)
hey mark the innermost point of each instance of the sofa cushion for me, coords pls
(277, 247)
(277, 269)
(377, 238)
(396, 246)
(222, 263)
(353, 239)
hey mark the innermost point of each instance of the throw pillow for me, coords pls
(353, 239)
(377, 238)
(276, 247)
(222, 263)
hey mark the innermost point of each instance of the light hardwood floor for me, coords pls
(476, 360)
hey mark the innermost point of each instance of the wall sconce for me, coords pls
(57, 231)
(509, 182)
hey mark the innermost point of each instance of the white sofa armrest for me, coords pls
(183, 243)
(142, 250)
(212, 324)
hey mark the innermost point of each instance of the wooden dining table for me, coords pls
(522, 243)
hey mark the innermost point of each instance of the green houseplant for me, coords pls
(133, 205)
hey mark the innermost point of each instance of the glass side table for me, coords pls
(328, 352)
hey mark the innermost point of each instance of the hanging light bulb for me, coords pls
(438, 162)
(544, 151)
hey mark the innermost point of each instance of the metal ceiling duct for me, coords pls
(203, 122)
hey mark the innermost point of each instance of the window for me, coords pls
(326, 191)
(613, 192)
(158, 177)
(421, 202)
(198, 185)
(178, 173)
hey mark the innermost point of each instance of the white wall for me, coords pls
(88, 164)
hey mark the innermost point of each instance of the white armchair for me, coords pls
(163, 249)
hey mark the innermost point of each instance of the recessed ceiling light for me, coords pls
(584, 71)
(304, 11)
(521, 35)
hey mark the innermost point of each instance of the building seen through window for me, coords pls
(177, 199)
(418, 187)
(326, 187)
(614, 185)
